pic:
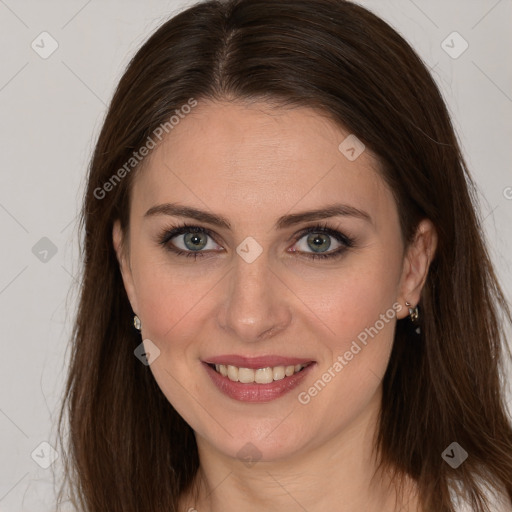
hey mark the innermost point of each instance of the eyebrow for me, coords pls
(333, 210)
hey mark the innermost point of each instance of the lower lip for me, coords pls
(257, 392)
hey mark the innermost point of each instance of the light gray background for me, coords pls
(51, 113)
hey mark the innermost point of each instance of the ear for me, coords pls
(416, 264)
(120, 246)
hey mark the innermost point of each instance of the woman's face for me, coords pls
(254, 296)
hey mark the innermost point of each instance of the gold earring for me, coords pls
(136, 323)
(413, 312)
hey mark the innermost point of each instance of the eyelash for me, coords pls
(169, 233)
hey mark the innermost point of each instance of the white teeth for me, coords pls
(260, 375)
(278, 372)
(233, 373)
(263, 375)
(246, 375)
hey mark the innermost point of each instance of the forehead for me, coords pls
(259, 158)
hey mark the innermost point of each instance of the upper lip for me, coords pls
(256, 362)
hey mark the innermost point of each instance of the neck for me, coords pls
(339, 474)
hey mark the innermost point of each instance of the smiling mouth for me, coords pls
(259, 375)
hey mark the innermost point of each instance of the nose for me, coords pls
(256, 303)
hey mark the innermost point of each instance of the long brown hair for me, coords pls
(127, 448)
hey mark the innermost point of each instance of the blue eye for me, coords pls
(319, 239)
(195, 239)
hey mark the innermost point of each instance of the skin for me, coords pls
(253, 163)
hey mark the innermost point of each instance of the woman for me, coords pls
(287, 301)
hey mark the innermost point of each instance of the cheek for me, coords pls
(169, 297)
(172, 307)
(359, 310)
(354, 298)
